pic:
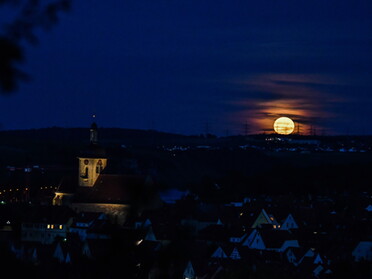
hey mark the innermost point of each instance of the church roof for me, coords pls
(93, 150)
(110, 188)
(68, 184)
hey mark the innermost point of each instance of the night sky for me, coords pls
(200, 66)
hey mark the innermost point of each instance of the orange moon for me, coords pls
(284, 126)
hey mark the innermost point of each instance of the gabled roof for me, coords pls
(219, 253)
(298, 252)
(289, 221)
(189, 271)
(263, 218)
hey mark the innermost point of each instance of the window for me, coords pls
(84, 174)
(60, 227)
(99, 166)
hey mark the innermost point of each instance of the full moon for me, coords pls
(284, 126)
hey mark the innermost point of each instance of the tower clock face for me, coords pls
(86, 162)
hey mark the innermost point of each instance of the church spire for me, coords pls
(94, 132)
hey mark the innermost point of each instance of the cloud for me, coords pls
(306, 98)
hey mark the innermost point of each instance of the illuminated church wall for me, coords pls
(89, 170)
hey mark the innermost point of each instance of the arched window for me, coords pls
(99, 166)
(85, 173)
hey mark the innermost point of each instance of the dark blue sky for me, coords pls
(181, 66)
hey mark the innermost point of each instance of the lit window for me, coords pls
(60, 227)
(274, 226)
(48, 226)
(52, 226)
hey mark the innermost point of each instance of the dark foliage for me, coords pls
(32, 14)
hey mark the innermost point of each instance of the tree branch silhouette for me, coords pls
(32, 15)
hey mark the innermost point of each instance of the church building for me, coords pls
(96, 188)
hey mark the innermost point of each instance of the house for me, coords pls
(251, 233)
(226, 252)
(219, 253)
(264, 219)
(189, 272)
(294, 255)
(289, 223)
(274, 240)
(254, 240)
(142, 224)
(60, 251)
(46, 223)
(87, 223)
(363, 251)
(235, 255)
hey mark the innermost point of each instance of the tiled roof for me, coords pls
(112, 189)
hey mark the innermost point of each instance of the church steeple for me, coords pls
(92, 160)
(94, 132)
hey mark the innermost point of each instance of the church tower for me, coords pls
(93, 133)
(92, 160)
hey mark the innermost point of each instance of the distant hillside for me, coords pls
(81, 135)
(225, 166)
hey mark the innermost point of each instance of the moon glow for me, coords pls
(284, 126)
